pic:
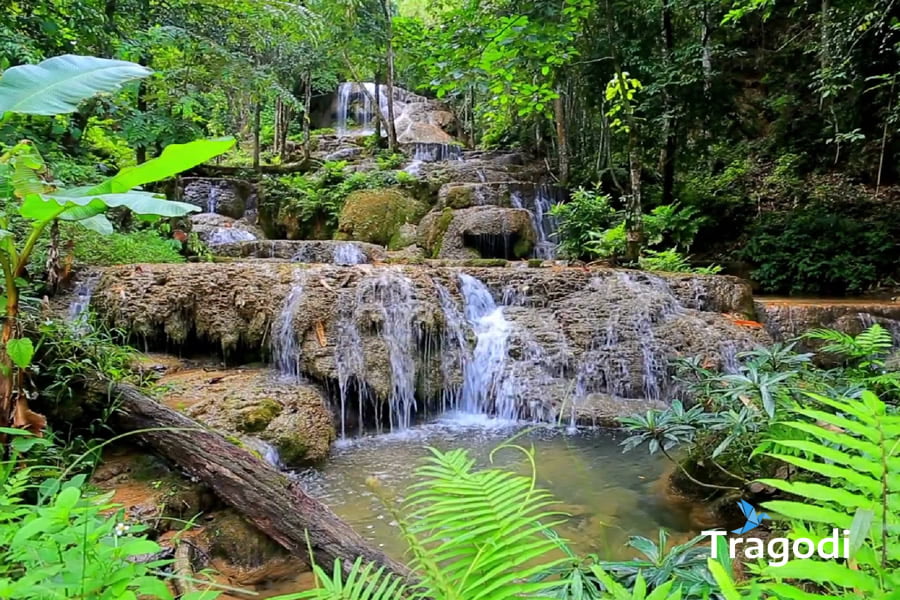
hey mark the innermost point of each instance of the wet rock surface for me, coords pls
(306, 251)
(255, 404)
(787, 318)
(217, 230)
(222, 195)
(405, 338)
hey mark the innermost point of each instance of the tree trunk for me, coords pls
(272, 501)
(562, 138)
(634, 220)
(389, 43)
(667, 157)
(307, 104)
(257, 116)
(377, 112)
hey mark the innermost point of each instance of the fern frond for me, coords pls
(363, 582)
(478, 534)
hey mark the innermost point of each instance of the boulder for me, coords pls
(256, 403)
(225, 196)
(467, 195)
(478, 232)
(377, 216)
(215, 229)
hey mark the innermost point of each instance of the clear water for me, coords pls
(610, 495)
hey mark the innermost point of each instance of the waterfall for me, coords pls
(436, 151)
(539, 203)
(229, 235)
(485, 385)
(81, 302)
(454, 348)
(212, 201)
(355, 102)
(349, 254)
(285, 345)
(388, 300)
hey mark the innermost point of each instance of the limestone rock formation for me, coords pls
(306, 251)
(256, 403)
(225, 196)
(405, 340)
(216, 229)
(376, 216)
(478, 232)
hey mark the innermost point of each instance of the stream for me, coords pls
(609, 495)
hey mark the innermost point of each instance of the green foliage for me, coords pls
(682, 565)
(59, 541)
(473, 534)
(145, 246)
(57, 85)
(586, 212)
(389, 161)
(818, 250)
(846, 461)
(313, 203)
(673, 262)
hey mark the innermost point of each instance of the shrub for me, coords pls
(585, 214)
(818, 250)
(144, 246)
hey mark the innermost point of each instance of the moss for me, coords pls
(461, 196)
(443, 223)
(376, 215)
(255, 418)
(535, 263)
(292, 449)
(405, 260)
(522, 248)
(485, 262)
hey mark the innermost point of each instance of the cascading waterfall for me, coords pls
(455, 351)
(386, 300)
(355, 102)
(212, 201)
(81, 301)
(485, 384)
(285, 345)
(545, 224)
(349, 254)
(436, 152)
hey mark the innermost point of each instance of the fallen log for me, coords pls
(269, 499)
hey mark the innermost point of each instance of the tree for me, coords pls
(56, 86)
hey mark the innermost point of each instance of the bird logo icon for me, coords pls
(754, 519)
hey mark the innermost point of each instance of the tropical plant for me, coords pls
(587, 211)
(672, 261)
(52, 87)
(59, 540)
(847, 466)
(659, 563)
(472, 535)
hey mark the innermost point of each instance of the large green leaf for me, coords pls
(57, 85)
(173, 160)
(20, 351)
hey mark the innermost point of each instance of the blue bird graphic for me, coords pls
(753, 519)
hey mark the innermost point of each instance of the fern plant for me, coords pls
(865, 355)
(850, 459)
(472, 535)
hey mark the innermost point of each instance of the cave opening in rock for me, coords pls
(504, 245)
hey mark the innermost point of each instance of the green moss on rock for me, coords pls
(376, 216)
(257, 417)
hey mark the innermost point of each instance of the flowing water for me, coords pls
(609, 495)
(229, 235)
(539, 203)
(285, 346)
(355, 109)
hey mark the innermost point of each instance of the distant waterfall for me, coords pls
(436, 152)
(539, 203)
(355, 104)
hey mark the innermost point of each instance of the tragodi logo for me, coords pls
(778, 550)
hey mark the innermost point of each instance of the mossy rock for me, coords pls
(376, 216)
(257, 417)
